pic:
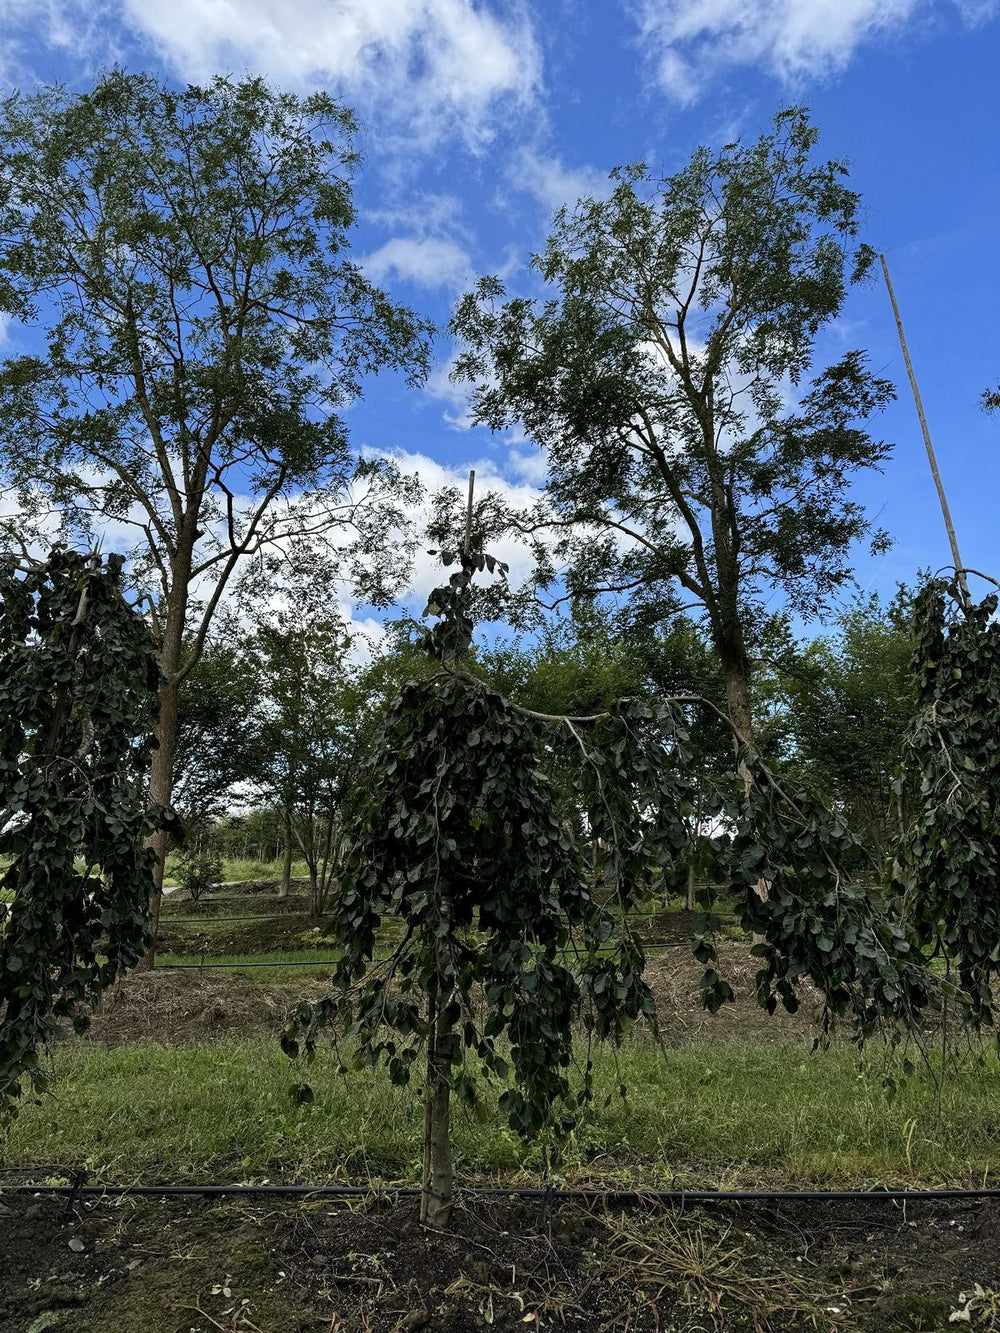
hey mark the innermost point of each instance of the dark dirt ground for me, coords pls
(290, 931)
(252, 919)
(194, 1266)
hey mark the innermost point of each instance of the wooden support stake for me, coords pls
(468, 513)
(931, 458)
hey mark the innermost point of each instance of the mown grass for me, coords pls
(721, 1114)
(324, 950)
(233, 871)
(210, 910)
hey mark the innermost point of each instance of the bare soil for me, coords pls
(194, 1266)
(179, 1007)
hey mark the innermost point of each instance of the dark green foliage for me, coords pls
(946, 863)
(461, 838)
(77, 692)
(784, 871)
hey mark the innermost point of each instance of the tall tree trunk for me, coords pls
(161, 784)
(161, 773)
(315, 891)
(737, 683)
(727, 635)
(286, 866)
(437, 1183)
(737, 677)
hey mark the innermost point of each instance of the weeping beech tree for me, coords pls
(78, 683)
(697, 455)
(944, 864)
(462, 839)
(505, 949)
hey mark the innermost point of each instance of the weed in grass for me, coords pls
(978, 1309)
(716, 1270)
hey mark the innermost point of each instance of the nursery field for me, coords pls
(181, 1080)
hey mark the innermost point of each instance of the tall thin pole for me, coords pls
(468, 512)
(931, 458)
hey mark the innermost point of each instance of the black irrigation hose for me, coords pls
(333, 962)
(168, 920)
(240, 967)
(591, 1195)
(205, 920)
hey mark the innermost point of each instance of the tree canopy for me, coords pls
(183, 255)
(838, 708)
(695, 451)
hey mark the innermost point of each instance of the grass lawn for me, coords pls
(712, 1114)
(323, 951)
(234, 871)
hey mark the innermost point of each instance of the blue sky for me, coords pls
(480, 118)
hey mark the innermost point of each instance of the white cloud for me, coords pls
(975, 12)
(551, 182)
(83, 28)
(529, 465)
(430, 261)
(425, 66)
(423, 213)
(687, 42)
(441, 386)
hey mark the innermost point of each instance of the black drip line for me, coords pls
(334, 962)
(588, 1195)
